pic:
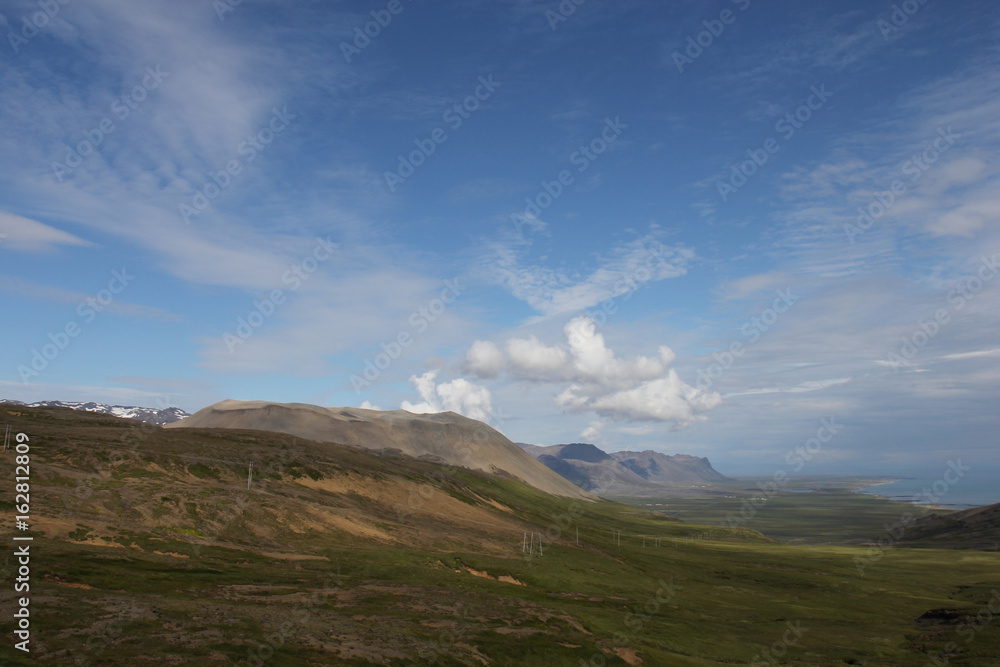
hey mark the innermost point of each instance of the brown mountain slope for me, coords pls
(445, 437)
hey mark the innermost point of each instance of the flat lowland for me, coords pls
(812, 510)
(150, 549)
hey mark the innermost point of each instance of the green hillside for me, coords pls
(150, 549)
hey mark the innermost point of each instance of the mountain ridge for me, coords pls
(155, 416)
(444, 437)
(624, 473)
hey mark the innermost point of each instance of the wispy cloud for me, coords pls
(38, 292)
(552, 292)
(20, 233)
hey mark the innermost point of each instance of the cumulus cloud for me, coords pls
(535, 360)
(484, 359)
(642, 388)
(459, 395)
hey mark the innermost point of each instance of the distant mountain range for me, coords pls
(148, 415)
(624, 473)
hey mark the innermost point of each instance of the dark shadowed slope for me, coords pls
(975, 528)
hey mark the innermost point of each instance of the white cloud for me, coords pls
(638, 389)
(667, 399)
(747, 286)
(593, 432)
(39, 292)
(966, 219)
(626, 268)
(972, 355)
(484, 359)
(459, 395)
(21, 233)
(532, 359)
(811, 385)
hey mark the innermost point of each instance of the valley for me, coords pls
(152, 550)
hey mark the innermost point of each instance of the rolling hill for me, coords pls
(156, 546)
(975, 528)
(446, 437)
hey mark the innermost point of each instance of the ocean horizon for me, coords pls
(974, 489)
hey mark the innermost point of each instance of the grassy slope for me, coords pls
(976, 528)
(395, 588)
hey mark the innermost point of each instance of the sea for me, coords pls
(975, 488)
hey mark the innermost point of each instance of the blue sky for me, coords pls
(691, 227)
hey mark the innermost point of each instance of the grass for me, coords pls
(706, 596)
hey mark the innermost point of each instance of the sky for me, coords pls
(765, 233)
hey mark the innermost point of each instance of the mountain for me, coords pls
(444, 438)
(624, 473)
(975, 528)
(148, 415)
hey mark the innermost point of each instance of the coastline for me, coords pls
(860, 489)
(912, 503)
